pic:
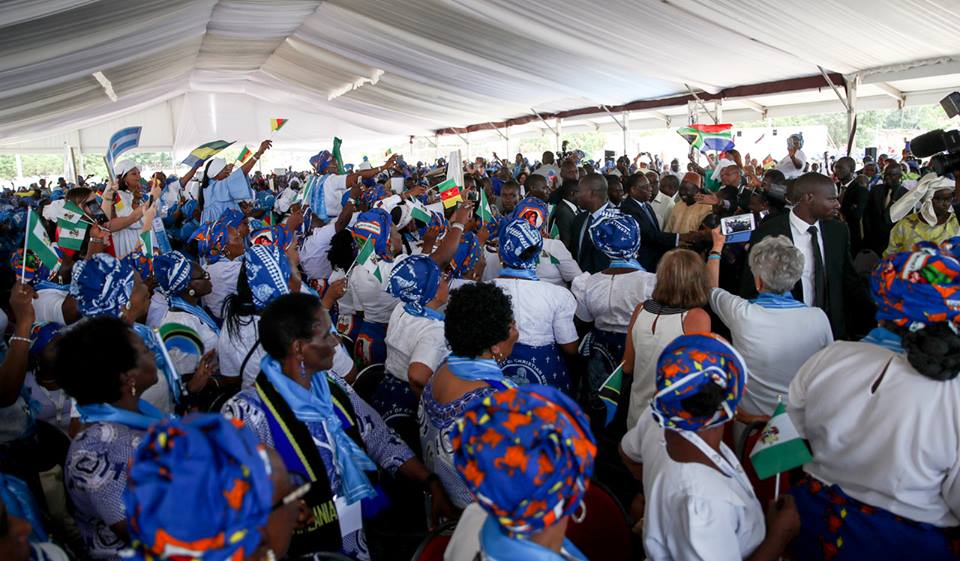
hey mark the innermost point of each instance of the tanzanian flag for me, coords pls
(203, 152)
(276, 124)
(709, 137)
(449, 193)
(610, 393)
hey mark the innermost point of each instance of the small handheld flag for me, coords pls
(449, 193)
(486, 215)
(366, 259)
(206, 151)
(709, 137)
(277, 124)
(418, 211)
(336, 155)
(244, 155)
(71, 227)
(120, 142)
(780, 447)
(146, 240)
(610, 393)
(38, 242)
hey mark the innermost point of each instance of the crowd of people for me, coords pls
(225, 365)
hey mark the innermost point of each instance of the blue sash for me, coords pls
(498, 546)
(773, 301)
(626, 264)
(479, 370)
(151, 339)
(511, 273)
(423, 312)
(48, 285)
(197, 311)
(105, 413)
(885, 338)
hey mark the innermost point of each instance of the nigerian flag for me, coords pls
(485, 213)
(418, 211)
(780, 447)
(38, 242)
(366, 258)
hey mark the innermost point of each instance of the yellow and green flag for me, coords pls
(276, 124)
(203, 152)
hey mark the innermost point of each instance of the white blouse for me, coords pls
(610, 300)
(348, 304)
(48, 305)
(543, 311)
(223, 278)
(413, 339)
(559, 273)
(377, 304)
(127, 240)
(693, 512)
(892, 443)
(157, 310)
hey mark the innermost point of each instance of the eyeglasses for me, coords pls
(293, 496)
(203, 276)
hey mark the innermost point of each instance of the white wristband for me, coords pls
(457, 225)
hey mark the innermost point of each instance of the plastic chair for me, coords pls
(604, 532)
(435, 543)
(368, 380)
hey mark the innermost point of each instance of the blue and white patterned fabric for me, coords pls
(102, 285)
(172, 271)
(268, 272)
(517, 237)
(415, 281)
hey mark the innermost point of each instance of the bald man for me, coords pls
(828, 280)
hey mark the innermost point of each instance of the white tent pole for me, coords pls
(626, 130)
(558, 132)
(853, 83)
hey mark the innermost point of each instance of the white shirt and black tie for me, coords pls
(803, 240)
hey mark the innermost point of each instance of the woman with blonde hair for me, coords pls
(675, 308)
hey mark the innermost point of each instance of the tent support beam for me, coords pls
(703, 106)
(852, 84)
(892, 92)
(663, 117)
(836, 90)
(545, 123)
(761, 109)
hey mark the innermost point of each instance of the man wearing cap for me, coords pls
(687, 214)
(223, 187)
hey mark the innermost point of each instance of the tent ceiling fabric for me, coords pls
(397, 68)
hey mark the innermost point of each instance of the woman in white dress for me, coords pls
(699, 502)
(124, 206)
(184, 283)
(543, 311)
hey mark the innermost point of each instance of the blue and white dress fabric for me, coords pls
(383, 446)
(221, 196)
(268, 272)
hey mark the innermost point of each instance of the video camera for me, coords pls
(936, 141)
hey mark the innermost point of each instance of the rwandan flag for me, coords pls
(276, 124)
(708, 137)
(204, 152)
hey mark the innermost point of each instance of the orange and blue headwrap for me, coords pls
(684, 368)
(527, 454)
(374, 224)
(212, 238)
(33, 270)
(198, 488)
(914, 289)
(533, 210)
(468, 253)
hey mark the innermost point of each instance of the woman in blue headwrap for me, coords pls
(543, 311)
(183, 283)
(608, 299)
(556, 265)
(106, 286)
(108, 387)
(204, 488)
(222, 187)
(468, 263)
(374, 230)
(527, 455)
(221, 245)
(699, 501)
(53, 301)
(414, 341)
(882, 417)
(333, 184)
(320, 427)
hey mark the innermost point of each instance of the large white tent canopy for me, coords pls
(190, 71)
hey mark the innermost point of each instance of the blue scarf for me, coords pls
(885, 338)
(511, 273)
(773, 301)
(106, 413)
(200, 313)
(48, 285)
(626, 264)
(423, 312)
(478, 370)
(498, 546)
(316, 405)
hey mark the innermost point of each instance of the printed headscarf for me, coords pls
(268, 272)
(516, 237)
(212, 239)
(172, 271)
(374, 224)
(102, 285)
(914, 289)
(533, 210)
(279, 235)
(415, 281)
(140, 263)
(527, 454)
(616, 235)
(371, 195)
(468, 253)
(684, 368)
(198, 488)
(33, 270)
(321, 160)
(41, 334)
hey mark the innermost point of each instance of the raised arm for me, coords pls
(448, 246)
(189, 175)
(13, 370)
(264, 146)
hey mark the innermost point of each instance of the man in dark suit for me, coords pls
(828, 280)
(564, 213)
(876, 215)
(592, 197)
(852, 190)
(654, 242)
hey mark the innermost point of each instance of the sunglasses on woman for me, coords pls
(300, 490)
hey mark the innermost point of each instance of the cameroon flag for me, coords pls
(275, 124)
(449, 193)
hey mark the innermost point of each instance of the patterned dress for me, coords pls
(382, 444)
(95, 477)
